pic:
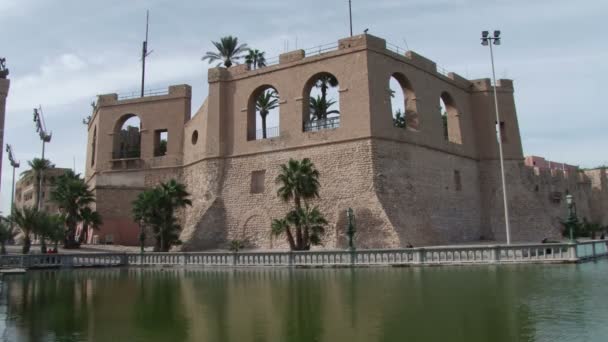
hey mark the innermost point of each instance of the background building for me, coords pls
(25, 191)
(436, 181)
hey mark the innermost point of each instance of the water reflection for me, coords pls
(484, 303)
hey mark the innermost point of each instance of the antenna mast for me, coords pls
(144, 54)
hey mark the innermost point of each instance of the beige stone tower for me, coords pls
(435, 182)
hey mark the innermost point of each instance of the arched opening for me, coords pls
(450, 118)
(263, 114)
(403, 102)
(127, 137)
(322, 103)
(93, 146)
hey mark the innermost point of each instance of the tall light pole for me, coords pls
(45, 137)
(15, 165)
(350, 16)
(486, 40)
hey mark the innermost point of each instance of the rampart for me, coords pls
(436, 181)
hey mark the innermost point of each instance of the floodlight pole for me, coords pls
(350, 16)
(45, 137)
(490, 41)
(15, 165)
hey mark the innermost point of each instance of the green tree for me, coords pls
(255, 59)
(90, 219)
(7, 233)
(267, 101)
(320, 108)
(228, 51)
(156, 208)
(35, 174)
(51, 227)
(399, 119)
(299, 181)
(26, 219)
(324, 82)
(72, 195)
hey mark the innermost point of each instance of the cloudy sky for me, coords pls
(63, 53)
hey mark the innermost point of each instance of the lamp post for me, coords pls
(571, 215)
(15, 165)
(486, 40)
(45, 137)
(350, 231)
(350, 16)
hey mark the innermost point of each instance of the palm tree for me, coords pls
(71, 194)
(49, 226)
(228, 51)
(35, 174)
(26, 219)
(255, 58)
(6, 234)
(90, 219)
(399, 119)
(319, 108)
(156, 208)
(312, 222)
(299, 181)
(324, 82)
(266, 102)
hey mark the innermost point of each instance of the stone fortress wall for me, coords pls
(406, 186)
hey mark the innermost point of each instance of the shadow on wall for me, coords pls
(371, 231)
(210, 231)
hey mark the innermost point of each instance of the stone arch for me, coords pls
(263, 113)
(254, 229)
(450, 118)
(321, 102)
(127, 137)
(403, 99)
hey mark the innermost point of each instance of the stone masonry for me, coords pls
(406, 186)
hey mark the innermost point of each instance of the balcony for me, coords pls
(317, 125)
(271, 132)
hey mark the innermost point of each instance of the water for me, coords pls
(477, 303)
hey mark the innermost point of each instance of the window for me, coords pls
(263, 112)
(450, 118)
(127, 137)
(503, 133)
(257, 181)
(457, 180)
(403, 104)
(194, 137)
(161, 138)
(321, 103)
(93, 146)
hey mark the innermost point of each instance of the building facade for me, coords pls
(25, 191)
(437, 181)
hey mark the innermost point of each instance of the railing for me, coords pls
(317, 125)
(149, 92)
(126, 154)
(320, 49)
(271, 132)
(453, 255)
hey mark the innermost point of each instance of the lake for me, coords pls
(564, 302)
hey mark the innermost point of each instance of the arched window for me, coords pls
(450, 117)
(403, 102)
(127, 137)
(321, 103)
(263, 114)
(93, 146)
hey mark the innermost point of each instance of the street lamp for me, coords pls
(571, 215)
(350, 232)
(487, 40)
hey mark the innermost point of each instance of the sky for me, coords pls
(61, 54)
